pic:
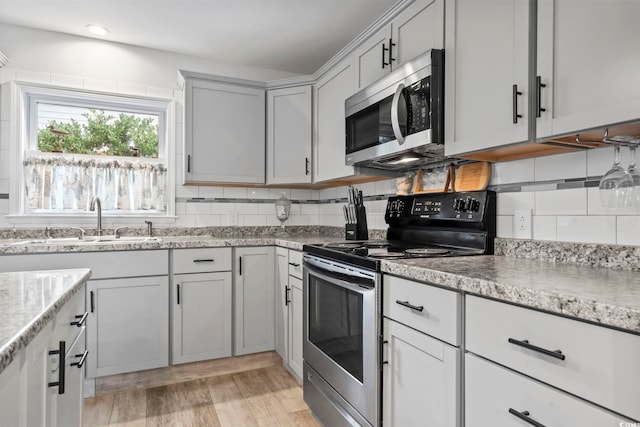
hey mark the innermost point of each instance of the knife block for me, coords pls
(358, 231)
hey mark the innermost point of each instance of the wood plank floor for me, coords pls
(223, 396)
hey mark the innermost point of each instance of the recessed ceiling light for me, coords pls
(97, 29)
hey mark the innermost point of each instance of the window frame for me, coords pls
(24, 130)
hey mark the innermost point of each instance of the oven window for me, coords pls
(335, 324)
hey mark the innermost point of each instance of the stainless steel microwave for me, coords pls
(398, 121)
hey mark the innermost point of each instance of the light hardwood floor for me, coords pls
(247, 391)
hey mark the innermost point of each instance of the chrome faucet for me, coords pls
(92, 207)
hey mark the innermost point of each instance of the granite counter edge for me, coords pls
(26, 335)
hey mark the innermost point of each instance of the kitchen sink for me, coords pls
(87, 240)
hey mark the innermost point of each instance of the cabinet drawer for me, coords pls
(600, 364)
(201, 260)
(102, 264)
(513, 392)
(295, 264)
(435, 311)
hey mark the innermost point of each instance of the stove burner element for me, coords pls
(385, 254)
(342, 245)
(377, 244)
(426, 251)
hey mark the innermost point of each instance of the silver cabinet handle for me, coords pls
(82, 317)
(83, 358)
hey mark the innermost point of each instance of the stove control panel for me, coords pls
(451, 207)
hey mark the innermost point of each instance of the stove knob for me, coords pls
(459, 205)
(474, 205)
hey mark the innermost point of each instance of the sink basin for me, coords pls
(87, 240)
(122, 239)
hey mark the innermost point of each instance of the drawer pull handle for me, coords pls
(60, 352)
(524, 416)
(419, 308)
(525, 343)
(82, 357)
(294, 264)
(204, 260)
(82, 317)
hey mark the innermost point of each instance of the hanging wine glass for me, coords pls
(616, 186)
(634, 172)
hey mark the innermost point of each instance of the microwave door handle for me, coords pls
(395, 120)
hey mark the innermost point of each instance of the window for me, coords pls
(79, 145)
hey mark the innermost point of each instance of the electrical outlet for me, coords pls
(233, 218)
(522, 224)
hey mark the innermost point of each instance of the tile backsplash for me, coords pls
(562, 193)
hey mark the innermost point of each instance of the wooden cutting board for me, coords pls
(473, 176)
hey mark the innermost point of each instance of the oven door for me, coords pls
(341, 331)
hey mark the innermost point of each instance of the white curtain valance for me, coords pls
(67, 183)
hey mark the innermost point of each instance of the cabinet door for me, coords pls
(224, 133)
(11, 394)
(492, 391)
(329, 138)
(201, 317)
(420, 380)
(281, 306)
(416, 29)
(486, 53)
(128, 325)
(289, 135)
(371, 59)
(588, 59)
(295, 326)
(254, 300)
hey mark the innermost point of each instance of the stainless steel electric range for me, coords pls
(343, 289)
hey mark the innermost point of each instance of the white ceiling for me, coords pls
(296, 36)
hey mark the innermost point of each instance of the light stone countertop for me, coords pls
(28, 301)
(296, 242)
(606, 296)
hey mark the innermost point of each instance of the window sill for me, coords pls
(89, 220)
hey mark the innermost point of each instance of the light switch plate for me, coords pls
(522, 228)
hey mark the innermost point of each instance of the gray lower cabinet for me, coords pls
(288, 309)
(201, 317)
(254, 299)
(201, 304)
(560, 356)
(421, 374)
(127, 325)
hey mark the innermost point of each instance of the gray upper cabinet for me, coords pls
(224, 132)
(331, 90)
(587, 58)
(289, 135)
(414, 30)
(486, 74)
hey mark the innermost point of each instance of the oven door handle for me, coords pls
(359, 286)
